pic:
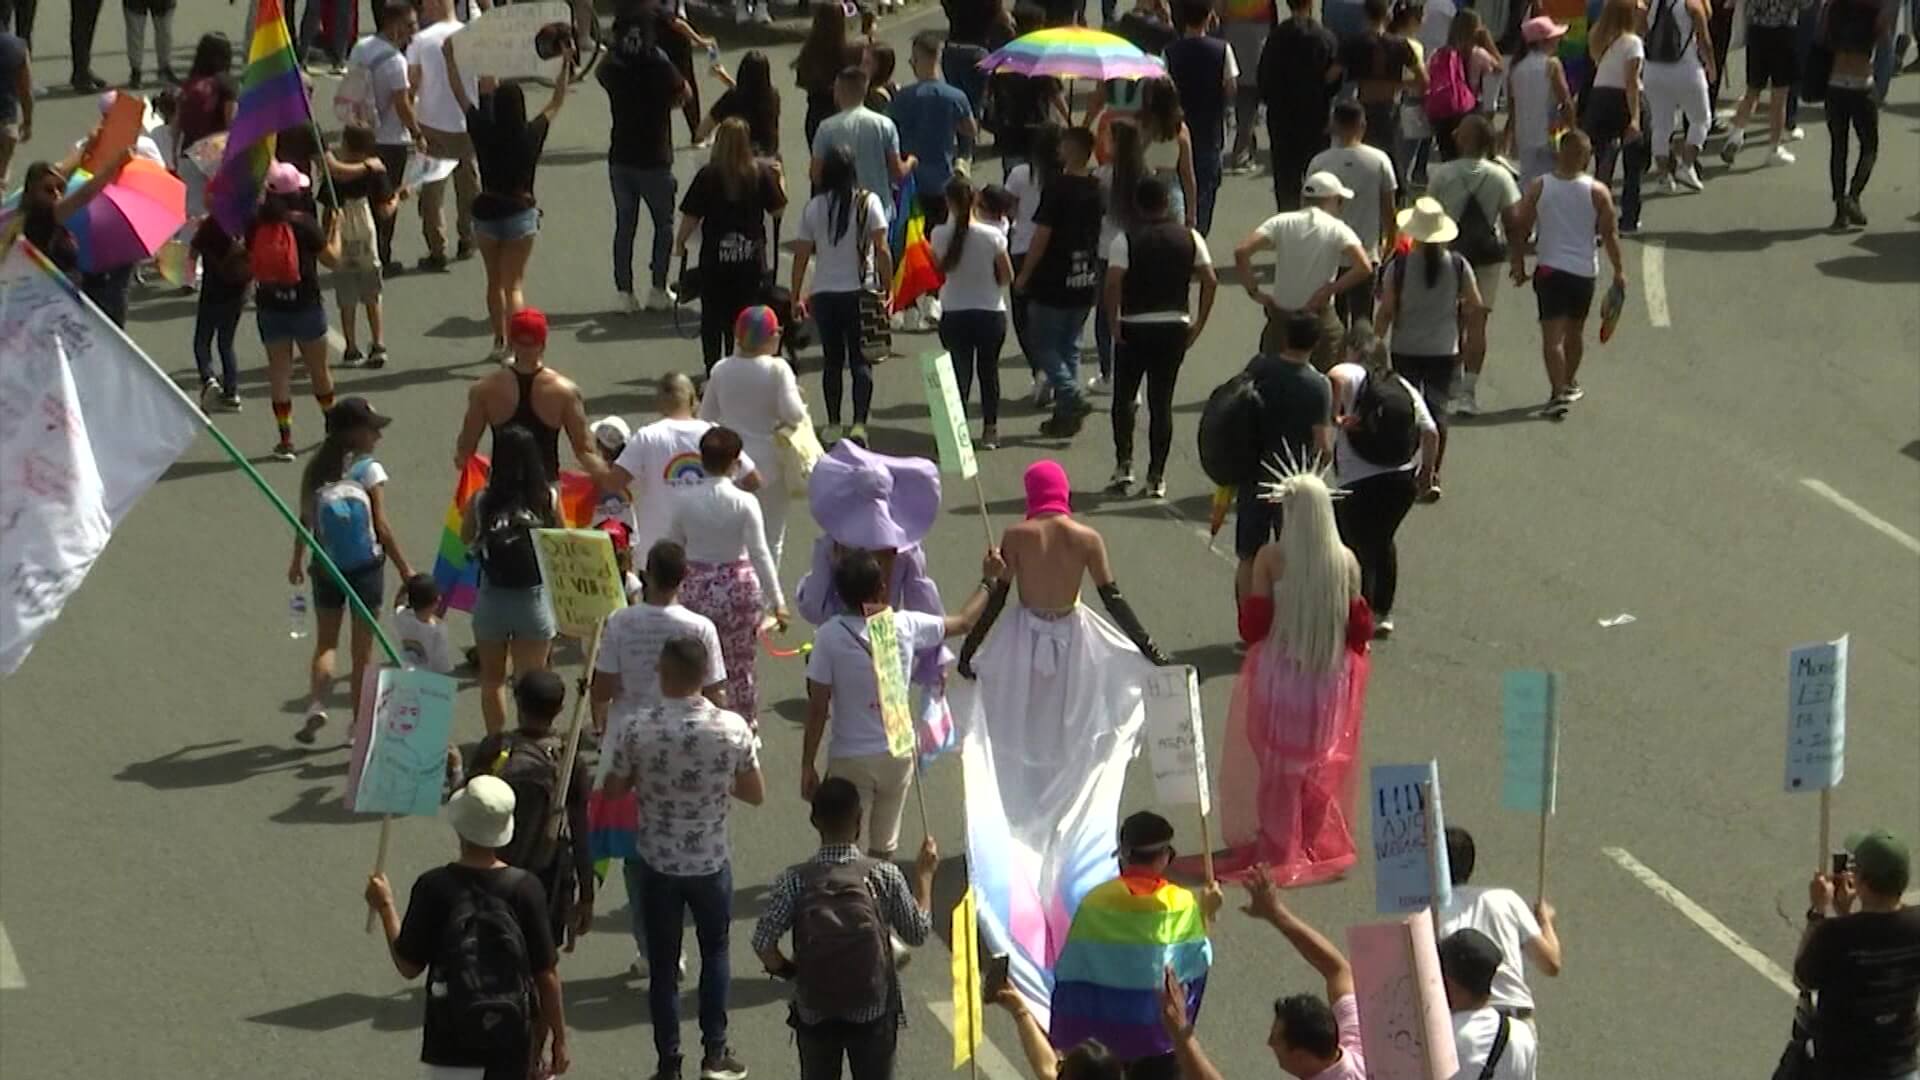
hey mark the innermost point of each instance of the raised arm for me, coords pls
(1263, 903)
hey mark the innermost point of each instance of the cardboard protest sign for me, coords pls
(507, 42)
(948, 413)
(422, 169)
(118, 130)
(968, 1026)
(1817, 715)
(399, 759)
(1176, 741)
(1405, 1027)
(890, 675)
(581, 575)
(1530, 740)
(1409, 864)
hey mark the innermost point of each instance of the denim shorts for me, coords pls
(513, 227)
(501, 614)
(297, 327)
(369, 583)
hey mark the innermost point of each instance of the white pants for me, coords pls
(1678, 87)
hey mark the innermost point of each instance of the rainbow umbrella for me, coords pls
(129, 220)
(1073, 52)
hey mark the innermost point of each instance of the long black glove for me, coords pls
(1122, 613)
(996, 600)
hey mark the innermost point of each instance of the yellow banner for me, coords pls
(581, 575)
(890, 674)
(968, 1029)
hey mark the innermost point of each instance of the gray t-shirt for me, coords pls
(1486, 182)
(1369, 173)
(1427, 321)
(870, 136)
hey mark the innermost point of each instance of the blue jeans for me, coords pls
(217, 321)
(837, 317)
(664, 901)
(1206, 185)
(960, 66)
(630, 186)
(1053, 338)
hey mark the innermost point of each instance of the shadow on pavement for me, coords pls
(1210, 661)
(1732, 239)
(320, 805)
(177, 770)
(1884, 259)
(395, 1012)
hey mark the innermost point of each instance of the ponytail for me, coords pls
(960, 219)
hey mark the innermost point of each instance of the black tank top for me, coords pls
(547, 437)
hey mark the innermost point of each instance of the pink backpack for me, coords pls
(1449, 95)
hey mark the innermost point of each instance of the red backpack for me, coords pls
(274, 254)
(1449, 96)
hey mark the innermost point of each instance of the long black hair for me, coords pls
(518, 477)
(328, 464)
(960, 217)
(1043, 161)
(1129, 168)
(1090, 1061)
(213, 56)
(753, 82)
(837, 184)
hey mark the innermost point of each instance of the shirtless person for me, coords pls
(533, 395)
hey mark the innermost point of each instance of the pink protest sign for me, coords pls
(1404, 1024)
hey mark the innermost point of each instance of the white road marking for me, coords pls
(993, 1063)
(1653, 281)
(1861, 512)
(1704, 919)
(11, 977)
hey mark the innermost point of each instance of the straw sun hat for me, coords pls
(1426, 222)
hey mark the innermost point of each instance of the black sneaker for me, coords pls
(377, 357)
(722, 1066)
(168, 76)
(352, 357)
(1840, 220)
(134, 81)
(86, 82)
(1855, 216)
(392, 269)
(284, 451)
(464, 251)
(433, 263)
(668, 1070)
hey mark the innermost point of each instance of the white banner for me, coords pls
(501, 43)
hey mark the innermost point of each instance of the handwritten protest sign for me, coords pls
(1404, 1023)
(890, 675)
(949, 415)
(399, 759)
(1530, 741)
(503, 43)
(1817, 715)
(1409, 866)
(581, 575)
(1176, 743)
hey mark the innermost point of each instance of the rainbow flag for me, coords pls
(272, 99)
(1106, 983)
(914, 271)
(455, 570)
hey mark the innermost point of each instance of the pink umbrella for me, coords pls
(131, 218)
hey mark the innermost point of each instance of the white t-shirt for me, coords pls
(386, 75)
(1368, 171)
(1117, 253)
(1473, 1035)
(662, 457)
(435, 106)
(1506, 918)
(718, 523)
(837, 265)
(1309, 249)
(423, 643)
(630, 648)
(1612, 69)
(1021, 186)
(841, 660)
(1349, 467)
(971, 286)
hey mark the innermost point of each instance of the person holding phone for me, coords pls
(1860, 955)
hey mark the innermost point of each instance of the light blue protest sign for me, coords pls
(1409, 856)
(399, 760)
(1817, 715)
(1530, 741)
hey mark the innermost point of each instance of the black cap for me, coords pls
(1144, 832)
(349, 414)
(1470, 958)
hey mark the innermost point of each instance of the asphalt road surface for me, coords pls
(180, 886)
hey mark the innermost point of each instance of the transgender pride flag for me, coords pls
(272, 99)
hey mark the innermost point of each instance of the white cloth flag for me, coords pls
(66, 480)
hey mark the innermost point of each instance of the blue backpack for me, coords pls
(343, 521)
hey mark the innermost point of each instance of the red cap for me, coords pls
(528, 325)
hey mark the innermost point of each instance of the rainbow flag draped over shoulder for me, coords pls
(455, 570)
(272, 99)
(1106, 983)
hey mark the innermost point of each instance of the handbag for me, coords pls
(876, 329)
(798, 446)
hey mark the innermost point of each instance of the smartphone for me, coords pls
(1842, 862)
(993, 977)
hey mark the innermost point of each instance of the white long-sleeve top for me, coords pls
(716, 522)
(753, 395)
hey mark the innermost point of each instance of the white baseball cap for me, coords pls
(482, 812)
(611, 432)
(1324, 184)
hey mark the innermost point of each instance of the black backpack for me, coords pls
(506, 550)
(481, 986)
(1665, 45)
(1479, 241)
(1229, 431)
(842, 952)
(531, 767)
(1386, 432)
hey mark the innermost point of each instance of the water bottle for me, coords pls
(297, 615)
(713, 54)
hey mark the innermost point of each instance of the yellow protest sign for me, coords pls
(581, 575)
(968, 1030)
(890, 675)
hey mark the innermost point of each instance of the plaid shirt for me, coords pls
(897, 906)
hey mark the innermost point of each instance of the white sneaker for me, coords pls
(640, 970)
(1689, 177)
(762, 16)
(1121, 482)
(629, 303)
(933, 308)
(660, 298)
(1464, 404)
(1098, 383)
(902, 952)
(1781, 156)
(1796, 133)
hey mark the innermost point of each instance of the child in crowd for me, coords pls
(366, 192)
(610, 434)
(996, 208)
(422, 633)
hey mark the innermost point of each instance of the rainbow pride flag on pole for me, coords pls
(455, 570)
(272, 99)
(1106, 982)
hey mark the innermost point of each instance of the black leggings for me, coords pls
(1153, 352)
(974, 339)
(1855, 109)
(1368, 518)
(721, 302)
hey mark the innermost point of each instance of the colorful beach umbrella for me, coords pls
(129, 220)
(1073, 52)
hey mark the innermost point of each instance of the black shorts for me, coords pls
(1562, 295)
(369, 584)
(1772, 57)
(1255, 521)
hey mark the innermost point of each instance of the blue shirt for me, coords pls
(929, 114)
